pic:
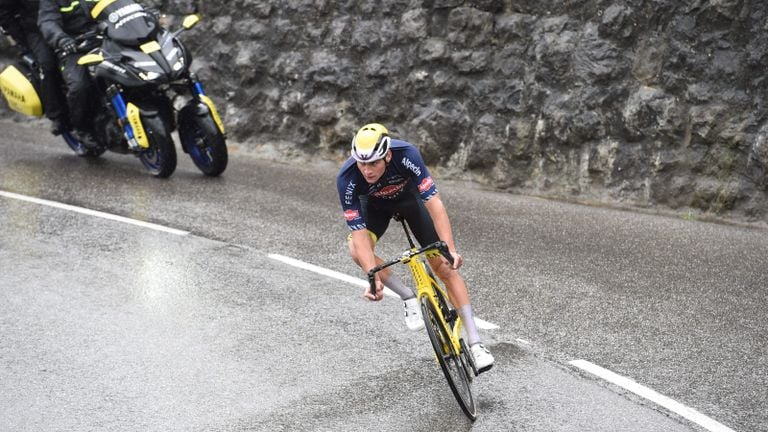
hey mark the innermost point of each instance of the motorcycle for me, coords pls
(140, 71)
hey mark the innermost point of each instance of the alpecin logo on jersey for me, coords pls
(351, 215)
(411, 166)
(426, 184)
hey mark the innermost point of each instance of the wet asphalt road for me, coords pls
(108, 326)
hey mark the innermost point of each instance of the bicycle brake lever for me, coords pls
(372, 283)
(443, 248)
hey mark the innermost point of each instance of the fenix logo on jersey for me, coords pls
(348, 193)
(411, 166)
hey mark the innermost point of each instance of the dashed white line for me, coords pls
(653, 396)
(485, 325)
(319, 270)
(90, 212)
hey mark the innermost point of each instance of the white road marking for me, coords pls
(93, 213)
(655, 397)
(485, 325)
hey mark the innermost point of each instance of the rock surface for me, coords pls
(644, 103)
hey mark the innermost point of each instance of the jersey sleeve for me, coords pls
(412, 162)
(347, 185)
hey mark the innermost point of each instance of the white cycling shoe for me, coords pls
(413, 318)
(483, 358)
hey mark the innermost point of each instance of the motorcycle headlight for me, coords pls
(175, 59)
(149, 76)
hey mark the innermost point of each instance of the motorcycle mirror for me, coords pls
(190, 21)
(90, 59)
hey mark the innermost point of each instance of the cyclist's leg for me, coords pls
(377, 221)
(418, 218)
(420, 222)
(423, 229)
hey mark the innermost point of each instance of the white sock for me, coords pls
(468, 318)
(395, 284)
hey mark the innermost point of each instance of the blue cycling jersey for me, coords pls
(405, 172)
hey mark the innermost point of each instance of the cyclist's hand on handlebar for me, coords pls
(379, 292)
(458, 260)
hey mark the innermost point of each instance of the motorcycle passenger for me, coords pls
(385, 176)
(18, 18)
(60, 22)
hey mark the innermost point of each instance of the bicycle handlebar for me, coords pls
(440, 246)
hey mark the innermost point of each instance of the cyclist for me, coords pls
(18, 18)
(60, 22)
(385, 176)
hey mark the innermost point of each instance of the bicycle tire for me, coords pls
(450, 361)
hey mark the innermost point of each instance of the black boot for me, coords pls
(59, 126)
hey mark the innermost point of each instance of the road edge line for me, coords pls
(96, 213)
(652, 395)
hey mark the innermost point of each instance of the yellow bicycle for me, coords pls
(441, 320)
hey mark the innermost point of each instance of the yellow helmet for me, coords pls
(370, 143)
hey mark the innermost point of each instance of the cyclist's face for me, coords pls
(372, 171)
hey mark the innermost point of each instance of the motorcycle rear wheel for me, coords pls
(205, 143)
(160, 158)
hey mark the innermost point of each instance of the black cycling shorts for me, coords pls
(377, 214)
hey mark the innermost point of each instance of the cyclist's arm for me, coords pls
(439, 216)
(363, 246)
(361, 241)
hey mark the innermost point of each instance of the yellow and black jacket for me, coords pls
(60, 18)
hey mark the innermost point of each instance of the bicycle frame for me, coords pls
(442, 321)
(427, 286)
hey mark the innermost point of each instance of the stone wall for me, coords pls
(650, 103)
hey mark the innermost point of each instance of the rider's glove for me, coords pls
(67, 45)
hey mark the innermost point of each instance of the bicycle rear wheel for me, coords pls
(449, 359)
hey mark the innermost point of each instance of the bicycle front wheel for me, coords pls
(449, 359)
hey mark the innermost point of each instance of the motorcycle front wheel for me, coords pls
(203, 141)
(160, 158)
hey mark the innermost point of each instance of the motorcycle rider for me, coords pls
(60, 22)
(18, 18)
